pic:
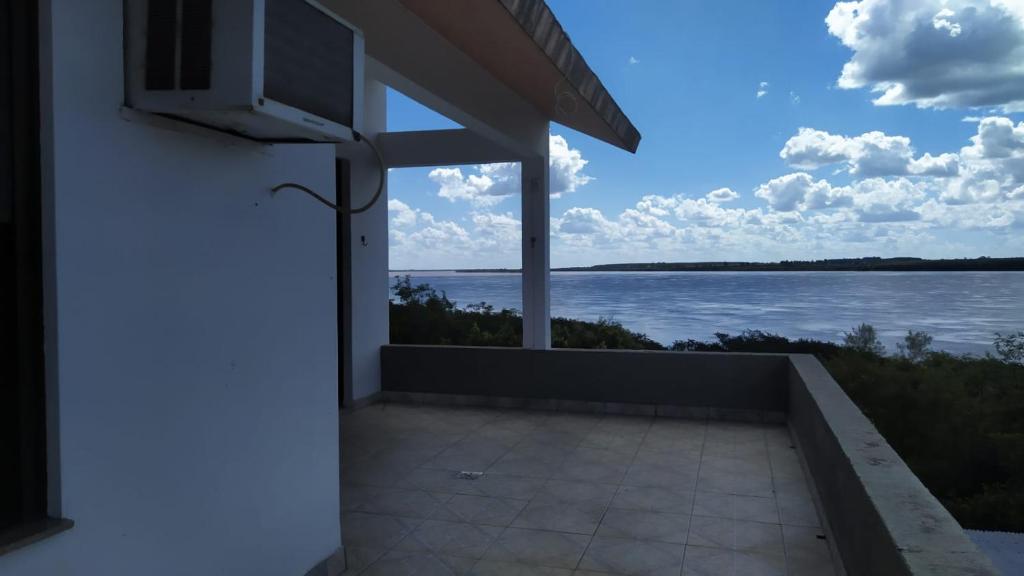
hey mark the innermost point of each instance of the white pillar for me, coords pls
(367, 308)
(536, 251)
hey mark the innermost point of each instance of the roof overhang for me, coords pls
(521, 43)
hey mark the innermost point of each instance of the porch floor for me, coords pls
(568, 494)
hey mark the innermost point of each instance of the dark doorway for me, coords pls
(22, 390)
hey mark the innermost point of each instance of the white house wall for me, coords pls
(196, 333)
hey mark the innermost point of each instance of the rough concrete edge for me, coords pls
(586, 407)
(623, 351)
(333, 565)
(920, 528)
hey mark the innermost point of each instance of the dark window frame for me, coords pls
(25, 505)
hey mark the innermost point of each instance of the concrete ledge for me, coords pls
(883, 519)
(685, 384)
(584, 407)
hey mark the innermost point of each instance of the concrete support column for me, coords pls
(536, 251)
(366, 309)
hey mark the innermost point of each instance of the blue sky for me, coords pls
(857, 144)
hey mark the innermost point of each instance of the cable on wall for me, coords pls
(376, 195)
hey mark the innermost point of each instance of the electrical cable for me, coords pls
(376, 195)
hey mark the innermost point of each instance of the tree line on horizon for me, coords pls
(865, 264)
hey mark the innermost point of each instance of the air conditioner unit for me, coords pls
(271, 70)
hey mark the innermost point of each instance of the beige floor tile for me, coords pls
(575, 517)
(798, 512)
(662, 475)
(565, 491)
(654, 499)
(506, 486)
(485, 510)
(438, 480)
(633, 557)
(404, 563)
(532, 459)
(806, 543)
(374, 530)
(641, 525)
(358, 559)
(471, 454)
(404, 502)
(595, 465)
(735, 535)
(450, 539)
(495, 568)
(538, 547)
(731, 483)
(407, 511)
(792, 488)
(735, 507)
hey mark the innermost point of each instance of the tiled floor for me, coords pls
(566, 494)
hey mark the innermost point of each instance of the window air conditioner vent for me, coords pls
(272, 70)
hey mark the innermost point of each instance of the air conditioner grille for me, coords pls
(161, 36)
(196, 36)
(308, 60)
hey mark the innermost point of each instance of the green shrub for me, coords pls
(1010, 347)
(916, 346)
(424, 316)
(863, 338)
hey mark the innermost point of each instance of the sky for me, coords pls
(772, 130)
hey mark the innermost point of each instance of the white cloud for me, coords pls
(493, 183)
(567, 166)
(992, 167)
(895, 202)
(934, 53)
(722, 195)
(633, 60)
(404, 215)
(868, 155)
(941, 21)
(493, 239)
(475, 188)
(945, 164)
(799, 191)
(880, 200)
(497, 231)
(997, 138)
(811, 149)
(971, 216)
(762, 89)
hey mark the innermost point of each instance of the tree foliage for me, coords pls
(1010, 347)
(864, 339)
(916, 346)
(423, 316)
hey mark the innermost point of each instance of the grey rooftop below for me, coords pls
(1006, 549)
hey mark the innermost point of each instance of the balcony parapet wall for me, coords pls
(881, 519)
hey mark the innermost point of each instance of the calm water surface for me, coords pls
(961, 310)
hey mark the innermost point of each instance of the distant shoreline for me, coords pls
(870, 264)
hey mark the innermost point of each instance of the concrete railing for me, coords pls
(729, 386)
(882, 519)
